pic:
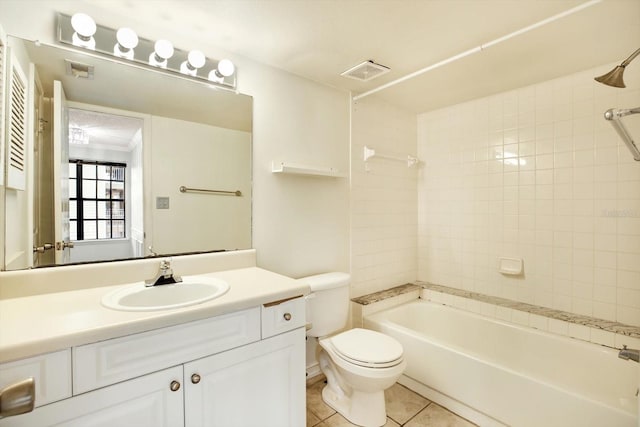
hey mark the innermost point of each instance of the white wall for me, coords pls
(137, 198)
(536, 173)
(384, 206)
(199, 156)
(300, 225)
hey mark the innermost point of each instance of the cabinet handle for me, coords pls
(175, 386)
(18, 398)
(287, 316)
(195, 378)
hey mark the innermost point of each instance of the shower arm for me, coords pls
(630, 58)
(615, 116)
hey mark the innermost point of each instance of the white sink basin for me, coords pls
(192, 290)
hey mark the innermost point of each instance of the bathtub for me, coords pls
(496, 373)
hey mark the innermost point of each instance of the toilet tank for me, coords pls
(328, 304)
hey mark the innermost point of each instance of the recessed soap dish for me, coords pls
(510, 266)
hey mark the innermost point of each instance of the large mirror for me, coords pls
(124, 161)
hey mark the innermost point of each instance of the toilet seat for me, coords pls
(367, 348)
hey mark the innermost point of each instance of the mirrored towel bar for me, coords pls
(184, 189)
(614, 116)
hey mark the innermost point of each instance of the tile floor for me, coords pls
(404, 408)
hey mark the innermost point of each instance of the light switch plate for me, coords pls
(162, 203)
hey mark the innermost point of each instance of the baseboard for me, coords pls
(314, 373)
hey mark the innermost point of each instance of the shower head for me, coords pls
(614, 77)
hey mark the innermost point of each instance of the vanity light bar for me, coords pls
(81, 32)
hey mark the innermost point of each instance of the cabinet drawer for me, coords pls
(282, 316)
(51, 372)
(107, 362)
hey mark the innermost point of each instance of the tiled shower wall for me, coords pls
(384, 211)
(538, 174)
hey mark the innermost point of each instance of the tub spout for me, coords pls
(629, 354)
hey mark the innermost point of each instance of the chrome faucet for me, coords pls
(629, 354)
(165, 275)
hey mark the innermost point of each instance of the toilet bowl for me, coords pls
(359, 365)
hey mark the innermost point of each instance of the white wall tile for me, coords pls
(559, 182)
(599, 336)
(384, 205)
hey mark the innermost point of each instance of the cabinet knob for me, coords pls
(287, 316)
(18, 398)
(175, 386)
(195, 378)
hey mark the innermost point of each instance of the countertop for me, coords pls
(43, 323)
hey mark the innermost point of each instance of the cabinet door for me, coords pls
(145, 401)
(260, 384)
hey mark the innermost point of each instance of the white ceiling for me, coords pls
(319, 39)
(108, 131)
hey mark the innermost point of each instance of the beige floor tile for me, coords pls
(338, 420)
(315, 404)
(391, 423)
(312, 420)
(436, 416)
(403, 404)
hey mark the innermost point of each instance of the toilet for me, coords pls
(359, 364)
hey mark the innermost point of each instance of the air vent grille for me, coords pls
(79, 70)
(366, 71)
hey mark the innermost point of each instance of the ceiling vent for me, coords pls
(366, 71)
(79, 70)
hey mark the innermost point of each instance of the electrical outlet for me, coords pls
(162, 203)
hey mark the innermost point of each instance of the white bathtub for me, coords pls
(497, 373)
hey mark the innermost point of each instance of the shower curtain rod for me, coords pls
(614, 116)
(479, 48)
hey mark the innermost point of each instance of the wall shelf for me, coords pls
(372, 153)
(297, 169)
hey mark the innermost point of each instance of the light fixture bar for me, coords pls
(479, 48)
(125, 46)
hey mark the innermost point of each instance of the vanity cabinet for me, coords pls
(145, 401)
(260, 384)
(218, 372)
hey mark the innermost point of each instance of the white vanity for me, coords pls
(237, 360)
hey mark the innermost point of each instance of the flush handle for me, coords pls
(287, 316)
(18, 398)
(195, 378)
(175, 386)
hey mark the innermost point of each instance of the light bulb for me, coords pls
(84, 28)
(195, 60)
(127, 40)
(226, 67)
(163, 51)
(214, 76)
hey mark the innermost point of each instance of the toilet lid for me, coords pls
(367, 348)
